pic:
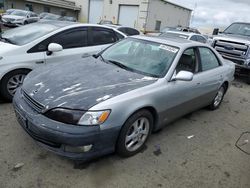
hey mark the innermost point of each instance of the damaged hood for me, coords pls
(82, 84)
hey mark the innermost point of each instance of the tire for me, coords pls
(134, 132)
(10, 82)
(25, 23)
(248, 80)
(215, 104)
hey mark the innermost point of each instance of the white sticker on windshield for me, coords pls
(168, 48)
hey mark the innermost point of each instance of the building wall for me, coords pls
(167, 13)
(37, 8)
(111, 10)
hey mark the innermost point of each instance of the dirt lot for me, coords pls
(208, 158)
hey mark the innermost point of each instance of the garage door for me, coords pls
(95, 11)
(128, 15)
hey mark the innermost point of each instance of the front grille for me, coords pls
(33, 103)
(231, 49)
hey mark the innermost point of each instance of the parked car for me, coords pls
(180, 28)
(129, 31)
(112, 101)
(234, 44)
(68, 19)
(104, 22)
(35, 45)
(49, 16)
(19, 17)
(184, 35)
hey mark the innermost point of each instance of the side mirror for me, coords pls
(54, 47)
(184, 76)
(216, 31)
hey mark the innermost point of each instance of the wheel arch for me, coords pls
(12, 70)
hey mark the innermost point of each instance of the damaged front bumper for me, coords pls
(74, 142)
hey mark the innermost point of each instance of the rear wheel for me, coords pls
(215, 104)
(11, 82)
(135, 133)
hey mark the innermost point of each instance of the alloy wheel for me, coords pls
(137, 134)
(14, 83)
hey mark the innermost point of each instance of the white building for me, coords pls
(145, 15)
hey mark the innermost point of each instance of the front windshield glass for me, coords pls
(144, 57)
(238, 29)
(175, 35)
(19, 13)
(28, 33)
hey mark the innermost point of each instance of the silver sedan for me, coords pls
(112, 101)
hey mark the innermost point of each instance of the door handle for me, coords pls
(86, 55)
(39, 62)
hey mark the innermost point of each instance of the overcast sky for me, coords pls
(217, 13)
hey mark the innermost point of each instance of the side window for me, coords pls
(194, 38)
(71, 39)
(188, 61)
(201, 39)
(101, 36)
(208, 59)
(129, 31)
(132, 32)
(68, 39)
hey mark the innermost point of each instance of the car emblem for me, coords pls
(229, 47)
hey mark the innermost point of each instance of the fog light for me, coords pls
(78, 149)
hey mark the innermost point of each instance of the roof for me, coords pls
(183, 33)
(176, 42)
(175, 4)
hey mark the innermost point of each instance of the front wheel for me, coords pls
(135, 133)
(218, 98)
(11, 82)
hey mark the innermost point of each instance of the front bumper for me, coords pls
(242, 66)
(57, 137)
(11, 24)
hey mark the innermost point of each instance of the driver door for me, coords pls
(182, 97)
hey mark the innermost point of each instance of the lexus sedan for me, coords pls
(39, 44)
(114, 100)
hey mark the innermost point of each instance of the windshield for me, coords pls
(145, 57)
(238, 29)
(28, 33)
(19, 13)
(176, 35)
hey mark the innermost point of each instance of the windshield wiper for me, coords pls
(118, 64)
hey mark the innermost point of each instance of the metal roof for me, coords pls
(178, 5)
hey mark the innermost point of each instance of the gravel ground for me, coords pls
(195, 151)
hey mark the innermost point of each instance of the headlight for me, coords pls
(77, 117)
(94, 117)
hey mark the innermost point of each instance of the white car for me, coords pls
(19, 17)
(185, 35)
(24, 48)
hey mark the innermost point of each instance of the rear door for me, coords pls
(101, 38)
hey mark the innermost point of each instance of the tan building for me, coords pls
(149, 15)
(144, 15)
(60, 7)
